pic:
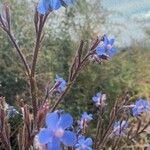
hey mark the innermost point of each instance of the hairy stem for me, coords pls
(34, 61)
(13, 41)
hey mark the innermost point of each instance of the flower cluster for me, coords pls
(105, 49)
(57, 132)
(99, 99)
(61, 84)
(84, 144)
(45, 5)
(120, 128)
(86, 118)
(140, 107)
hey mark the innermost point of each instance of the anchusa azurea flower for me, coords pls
(120, 128)
(86, 118)
(84, 143)
(61, 84)
(45, 5)
(99, 99)
(57, 131)
(140, 107)
(105, 49)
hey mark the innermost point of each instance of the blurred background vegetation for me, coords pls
(128, 71)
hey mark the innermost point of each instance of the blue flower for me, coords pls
(120, 128)
(106, 50)
(61, 84)
(55, 4)
(45, 5)
(56, 131)
(84, 144)
(140, 107)
(99, 99)
(86, 118)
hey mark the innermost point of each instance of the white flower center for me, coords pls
(141, 107)
(59, 133)
(109, 46)
(83, 146)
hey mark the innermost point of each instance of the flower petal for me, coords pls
(95, 99)
(69, 2)
(62, 83)
(54, 144)
(55, 4)
(44, 136)
(111, 41)
(89, 148)
(66, 121)
(135, 111)
(89, 142)
(69, 138)
(100, 50)
(52, 120)
(112, 52)
(81, 139)
(106, 41)
(43, 6)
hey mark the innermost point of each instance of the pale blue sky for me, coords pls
(128, 20)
